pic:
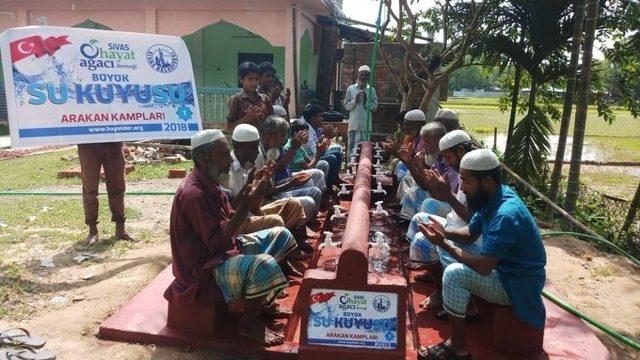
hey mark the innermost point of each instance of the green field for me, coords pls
(621, 138)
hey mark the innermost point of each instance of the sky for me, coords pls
(367, 11)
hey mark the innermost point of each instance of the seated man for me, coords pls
(301, 160)
(431, 134)
(509, 269)
(414, 120)
(422, 252)
(273, 136)
(448, 118)
(318, 132)
(417, 198)
(283, 212)
(210, 256)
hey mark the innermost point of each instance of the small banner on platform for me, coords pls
(356, 319)
(76, 86)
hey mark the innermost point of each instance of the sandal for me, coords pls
(440, 352)
(26, 353)
(470, 319)
(274, 311)
(18, 337)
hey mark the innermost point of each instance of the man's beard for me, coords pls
(218, 176)
(476, 201)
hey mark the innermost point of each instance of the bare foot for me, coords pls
(125, 236)
(434, 301)
(260, 334)
(92, 238)
(274, 311)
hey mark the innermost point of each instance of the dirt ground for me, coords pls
(604, 286)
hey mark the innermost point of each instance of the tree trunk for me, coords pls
(444, 87)
(573, 185)
(514, 102)
(556, 175)
(633, 210)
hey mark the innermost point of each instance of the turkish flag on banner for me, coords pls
(37, 46)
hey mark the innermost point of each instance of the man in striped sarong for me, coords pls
(211, 259)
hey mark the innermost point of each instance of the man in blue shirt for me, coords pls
(509, 270)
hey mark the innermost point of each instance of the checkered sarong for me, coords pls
(460, 281)
(256, 272)
(416, 200)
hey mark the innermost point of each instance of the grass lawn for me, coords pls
(51, 223)
(37, 171)
(481, 115)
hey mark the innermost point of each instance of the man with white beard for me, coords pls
(211, 258)
(306, 183)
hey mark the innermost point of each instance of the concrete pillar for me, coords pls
(288, 57)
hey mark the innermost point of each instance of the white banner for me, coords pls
(75, 86)
(357, 319)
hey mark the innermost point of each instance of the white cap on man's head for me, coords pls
(480, 160)
(364, 68)
(206, 137)
(245, 133)
(415, 115)
(279, 111)
(446, 114)
(453, 138)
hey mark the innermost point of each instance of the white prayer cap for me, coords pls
(453, 138)
(415, 115)
(364, 68)
(279, 111)
(479, 160)
(206, 137)
(446, 114)
(245, 133)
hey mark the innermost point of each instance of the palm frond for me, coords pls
(528, 148)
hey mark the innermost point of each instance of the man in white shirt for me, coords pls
(288, 212)
(359, 105)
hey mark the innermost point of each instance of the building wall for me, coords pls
(214, 53)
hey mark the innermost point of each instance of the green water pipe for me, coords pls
(70, 193)
(584, 317)
(595, 238)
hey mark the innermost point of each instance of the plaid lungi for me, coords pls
(460, 281)
(256, 272)
(415, 200)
